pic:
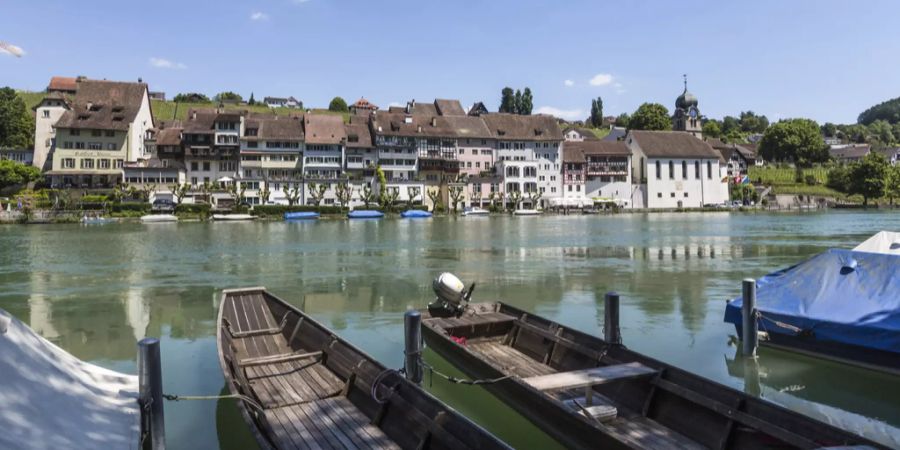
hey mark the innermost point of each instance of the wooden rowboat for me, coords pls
(587, 393)
(301, 386)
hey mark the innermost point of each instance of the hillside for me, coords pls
(168, 110)
(888, 110)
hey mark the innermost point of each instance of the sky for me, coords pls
(825, 59)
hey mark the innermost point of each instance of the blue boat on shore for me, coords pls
(415, 214)
(304, 215)
(365, 214)
(842, 305)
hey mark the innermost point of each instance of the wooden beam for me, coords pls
(273, 359)
(589, 377)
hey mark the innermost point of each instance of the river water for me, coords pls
(96, 290)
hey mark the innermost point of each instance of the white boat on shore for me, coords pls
(475, 211)
(159, 218)
(232, 217)
(527, 212)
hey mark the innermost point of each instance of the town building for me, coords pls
(738, 158)
(576, 134)
(362, 107)
(21, 155)
(63, 85)
(596, 171)
(102, 127)
(687, 113)
(158, 95)
(283, 102)
(615, 134)
(211, 145)
(892, 154)
(272, 159)
(323, 157)
(675, 170)
(849, 153)
(46, 114)
(478, 109)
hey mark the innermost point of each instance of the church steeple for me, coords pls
(687, 112)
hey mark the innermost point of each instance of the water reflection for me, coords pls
(95, 291)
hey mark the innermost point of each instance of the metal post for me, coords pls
(150, 394)
(412, 332)
(611, 332)
(750, 338)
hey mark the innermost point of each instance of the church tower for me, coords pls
(687, 114)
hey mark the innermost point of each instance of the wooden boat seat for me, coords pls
(333, 423)
(292, 382)
(274, 359)
(588, 378)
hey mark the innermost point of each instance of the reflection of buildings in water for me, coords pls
(136, 312)
(40, 308)
(858, 400)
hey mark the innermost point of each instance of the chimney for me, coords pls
(193, 115)
(419, 128)
(140, 80)
(434, 121)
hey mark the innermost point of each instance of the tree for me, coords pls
(535, 198)
(236, 190)
(191, 97)
(795, 140)
(382, 182)
(730, 125)
(338, 105)
(507, 101)
(881, 133)
(711, 129)
(597, 112)
(868, 176)
(650, 116)
(16, 122)
(517, 102)
(412, 192)
(180, 191)
(228, 96)
(751, 123)
(265, 193)
(435, 195)
(829, 129)
(316, 191)
(516, 198)
(456, 196)
(527, 102)
(839, 179)
(344, 193)
(892, 183)
(623, 120)
(367, 196)
(252, 100)
(292, 193)
(888, 111)
(14, 173)
(389, 198)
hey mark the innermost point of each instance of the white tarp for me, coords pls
(50, 399)
(886, 242)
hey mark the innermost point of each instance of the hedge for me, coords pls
(91, 205)
(94, 198)
(279, 210)
(196, 208)
(119, 207)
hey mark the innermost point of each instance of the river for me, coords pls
(96, 290)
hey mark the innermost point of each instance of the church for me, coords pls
(687, 113)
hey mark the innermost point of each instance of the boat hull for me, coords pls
(159, 218)
(232, 217)
(301, 216)
(365, 214)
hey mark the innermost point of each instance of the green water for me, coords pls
(95, 290)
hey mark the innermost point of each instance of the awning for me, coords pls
(225, 180)
(83, 172)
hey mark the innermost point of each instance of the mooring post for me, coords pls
(412, 332)
(750, 338)
(611, 332)
(153, 427)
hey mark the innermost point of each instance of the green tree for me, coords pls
(412, 192)
(338, 105)
(252, 100)
(316, 191)
(366, 195)
(191, 97)
(751, 123)
(730, 125)
(527, 102)
(597, 112)
(795, 140)
(892, 182)
(344, 193)
(650, 116)
(507, 101)
(14, 173)
(711, 129)
(180, 191)
(456, 196)
(623, 120)
(888, 111)
(16, 122)
(382, 182)
(292, 193)
(517, 102)
(868, 176)
(881, 133)
(389, 198)
(839, 179)
(228, 96)
(435, 195)
(829, 129)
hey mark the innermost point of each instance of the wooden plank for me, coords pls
(589, 377)
(279, 427)
(376, 437)
(278, 358)
(738, 416)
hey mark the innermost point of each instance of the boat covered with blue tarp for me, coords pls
(301, 215)
(841, 304)
(415, 214)
(365, 214)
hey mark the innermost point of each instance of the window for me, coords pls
(658, 171)
(248, 173)
(206, 166)
(103, 163)
(685, 195)
(684, 170)
(659, 195)
(120, 163)
(110, 133)
(68, 163)
(110, 146)
(697, 169)
(79, 145)
(194, 181)
(462, 151)
(75, 132)
(578, 187)
(570, 188)
(194, 165)
(46, 113)
(671, 170)
(709, 169)
(96, 133)
(87, 163)
(95, 146)
(477, 164)
(672, 195)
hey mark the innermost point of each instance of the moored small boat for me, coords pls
(365, 214)
(158, 218)
(475, 211)
(415, 214)
(301, 215)
(527, 212)
(232, 217)
(302, 386)
(95, 220)
(588, 393)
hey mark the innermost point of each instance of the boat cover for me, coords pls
(51, 399)
(881, 242)
(415, 214)
(365, 214)
(840, 295)
(301, 215)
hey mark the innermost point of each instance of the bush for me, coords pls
(279, 210)
(810, 180)
(193, 208)
(94, 198)
(90, 205)
(137, 207)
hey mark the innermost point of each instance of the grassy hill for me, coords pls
(31, 98)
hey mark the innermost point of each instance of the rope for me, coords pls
(377, 382)
(248, 400)
(786, 326)
(456, 380)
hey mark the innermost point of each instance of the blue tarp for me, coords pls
(365, 214)
(306, 215)
(840, 295)
(415, 214)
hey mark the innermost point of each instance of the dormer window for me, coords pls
(84, 116)
(95, 108)
(116, 109)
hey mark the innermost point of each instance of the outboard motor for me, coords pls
(452, 296)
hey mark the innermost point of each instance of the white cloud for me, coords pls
(569, 83)
(259, 16)
(163, 63)
(619, 88)
(601, 79)
(568, 114)
(11, 49)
